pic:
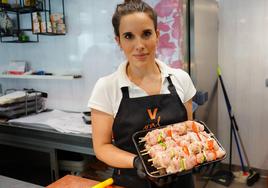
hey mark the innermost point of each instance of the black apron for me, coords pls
(141, 113)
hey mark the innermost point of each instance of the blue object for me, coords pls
(41, 72)
(194, 106)
(201, 97)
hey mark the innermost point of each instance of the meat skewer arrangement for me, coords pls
(180, 147)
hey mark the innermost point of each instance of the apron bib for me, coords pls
(142, 113)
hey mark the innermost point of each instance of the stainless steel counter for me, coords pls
(6, 182)
(36, 135)
(44, 139)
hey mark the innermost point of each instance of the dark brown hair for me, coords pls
(129, 7)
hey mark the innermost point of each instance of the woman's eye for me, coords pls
(128, 36)
(147, 34)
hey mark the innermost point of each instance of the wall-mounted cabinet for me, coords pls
(24, 21)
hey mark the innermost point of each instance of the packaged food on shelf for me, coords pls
(36, 17)
(46, 27)
(56, 18)
(36, 27)
(61, 29)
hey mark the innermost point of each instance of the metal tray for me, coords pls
(149, 169)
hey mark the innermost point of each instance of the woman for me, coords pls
(143, 93)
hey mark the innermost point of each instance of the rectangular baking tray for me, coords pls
(149, 169)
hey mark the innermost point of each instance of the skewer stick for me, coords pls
(144, 150)
(145, 153)
(155, 172)
(141, 141)
(158, 168)
(150, 160)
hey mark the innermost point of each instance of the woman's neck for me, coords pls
(147, 78)
(140, 72)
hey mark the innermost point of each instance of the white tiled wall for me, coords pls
(243, 58)
(88, 48)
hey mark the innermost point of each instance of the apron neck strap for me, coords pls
(171, 87)
(125, 92)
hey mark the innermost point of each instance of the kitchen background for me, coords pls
(243, 57)
(89, 49)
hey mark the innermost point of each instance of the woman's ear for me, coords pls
(117, 39)
(157, 34)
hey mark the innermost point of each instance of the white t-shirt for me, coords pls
(106, 95)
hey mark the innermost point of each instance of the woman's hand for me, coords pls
(138, 166)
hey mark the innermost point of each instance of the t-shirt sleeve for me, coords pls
(184, 85)
(189, 89)
(99, 98)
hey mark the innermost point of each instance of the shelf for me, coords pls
(41, 77)
(15, 38)
(50, 34)
(23, 10)
(43, 14)
(7, 35)
(18, 41)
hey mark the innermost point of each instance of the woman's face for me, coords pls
(138, 38)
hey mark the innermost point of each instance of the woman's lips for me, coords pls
(141, 56)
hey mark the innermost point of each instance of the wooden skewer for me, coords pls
(155, 172)
(159, 168)
(141, 141)
(144, 150)
(150, 160)
(145, 153)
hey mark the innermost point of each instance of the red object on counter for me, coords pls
(70, 181)
(15, 72)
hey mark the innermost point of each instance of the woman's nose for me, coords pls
(139, 45)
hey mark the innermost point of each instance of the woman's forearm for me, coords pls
(189, 109)
(102, 142)
(114, 156)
